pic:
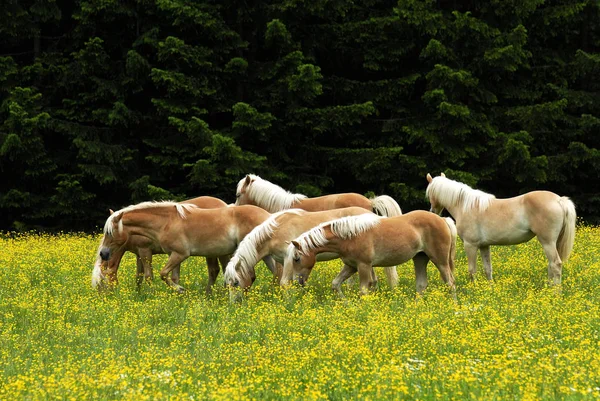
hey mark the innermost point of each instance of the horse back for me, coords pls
(415, 229)
(334, 201)
(206, 202)
(246, 217)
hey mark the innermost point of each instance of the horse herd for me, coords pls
(291, 232)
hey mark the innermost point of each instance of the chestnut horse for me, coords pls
(368, 240)
(482, 220)
(272, 238)
(143, 249)
(253, 190)
(180, 230)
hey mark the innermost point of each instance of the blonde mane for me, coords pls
(345, 228)
(450, 193)
(182, 209)
(246, 255)
(269, 196)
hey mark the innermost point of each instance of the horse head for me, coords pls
(435, 206)
(241, 195)
(299, 263)
(237, 281)
(110, 252)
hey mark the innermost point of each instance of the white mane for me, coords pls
(448, 192)
(344, 228)
(246, 255)
(269, 196)
(182, 209)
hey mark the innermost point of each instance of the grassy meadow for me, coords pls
(513, 339)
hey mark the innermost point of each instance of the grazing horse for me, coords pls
(482, 220)
(180, 230)
(368, 240)
(253, 190)
(143, 249)
(272, 238)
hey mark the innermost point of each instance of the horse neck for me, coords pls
(273, 198)
(456, 211)
(333, 243)
(253, 254)
(141, 222)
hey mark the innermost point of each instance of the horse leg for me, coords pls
(175, 273)
(392, 276)
(487, 261)
(139, 277)
(213, 273)
(554, 261)
(279, 274)
(270, 262)
(173, 262)
(471, 251)
(420, 261)
(145, 260)
(365, 275)
(343, 275)
(443, 266)
(224, 260)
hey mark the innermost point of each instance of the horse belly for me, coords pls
(513, 238)
(394, 253)
(399, 246)
(509, 234)
(212, 248)
(327, 256)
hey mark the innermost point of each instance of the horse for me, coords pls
(143, 249)
(483, 220)
(368, 240)
(180, 230)
(272, 238)
(253, 190)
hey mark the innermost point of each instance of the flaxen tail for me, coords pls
(453, 234)
(564, 245)
(385, 205)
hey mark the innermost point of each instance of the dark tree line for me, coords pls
(107, 103)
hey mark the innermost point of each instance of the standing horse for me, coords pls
(180, 230)
(143, 248)
(272, 238)
(482, 220)
(368, 240)
(254, 190)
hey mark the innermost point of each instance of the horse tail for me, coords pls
(566, 238)
(385, 205)
(453, 234)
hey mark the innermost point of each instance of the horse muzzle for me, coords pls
(105, 254)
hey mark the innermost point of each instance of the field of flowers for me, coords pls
(514, 338)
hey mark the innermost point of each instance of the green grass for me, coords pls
(514, 338)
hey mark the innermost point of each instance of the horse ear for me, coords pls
(296, 244)
(248, 181)
(443, 175)
(111, 211)
(429, 179)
